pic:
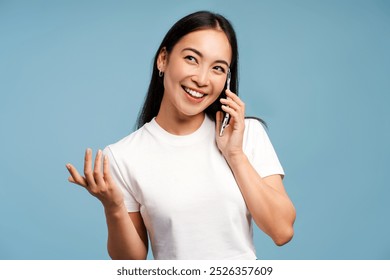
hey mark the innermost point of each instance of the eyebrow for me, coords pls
(201, 55)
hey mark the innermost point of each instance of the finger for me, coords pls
(70, 179)
(75, 177)
(231, 96)
(236, 121)
(235, 112)
(234, 97)
(106, 171)
(230, 103)
(236, 105)
(88, 168)
(232, 112)
(97, 174)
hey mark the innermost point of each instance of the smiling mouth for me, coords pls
(193, 93)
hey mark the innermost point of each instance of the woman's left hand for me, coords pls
(230, 143)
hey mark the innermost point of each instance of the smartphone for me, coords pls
(226, 117)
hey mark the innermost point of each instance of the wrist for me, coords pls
(235, 158)
(115, 210)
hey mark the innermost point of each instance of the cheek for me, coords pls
(220, 86)
(218, 91)
(174, 76)
(171, 78)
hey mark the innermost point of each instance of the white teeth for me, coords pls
(194, 93)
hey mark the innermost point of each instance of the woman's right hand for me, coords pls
(99, 184)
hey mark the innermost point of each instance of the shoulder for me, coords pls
(254, 128)
(129, 144)
(255, 135)
(259, 149)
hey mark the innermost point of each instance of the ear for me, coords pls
(162, 59)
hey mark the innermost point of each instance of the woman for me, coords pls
(193, 190)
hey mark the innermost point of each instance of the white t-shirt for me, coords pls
(190, 202)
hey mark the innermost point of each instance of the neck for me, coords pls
(180, 125)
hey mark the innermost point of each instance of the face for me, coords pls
(195, 72)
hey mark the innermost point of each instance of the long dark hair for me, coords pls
(193, 22)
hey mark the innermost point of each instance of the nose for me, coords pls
(201, 78)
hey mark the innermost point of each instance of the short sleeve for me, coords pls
(129, 199)
(260, 150)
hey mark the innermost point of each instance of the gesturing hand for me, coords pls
(99, 184)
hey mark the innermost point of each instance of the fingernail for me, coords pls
(68, 166)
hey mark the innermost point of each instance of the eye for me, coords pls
(220, 69)
(190, 58)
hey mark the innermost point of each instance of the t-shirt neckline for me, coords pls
(181, 140)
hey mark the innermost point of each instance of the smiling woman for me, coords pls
(193, 191)
(195, 74)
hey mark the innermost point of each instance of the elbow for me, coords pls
(284, 237)
(127, 257)
(123, 255)
(286, 233)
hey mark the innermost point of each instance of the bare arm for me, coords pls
(127, 237)
(266, 198)
(121, 226)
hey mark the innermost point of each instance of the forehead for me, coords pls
(211, 43)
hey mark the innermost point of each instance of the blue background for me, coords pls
(73, 74)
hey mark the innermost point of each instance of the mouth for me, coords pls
(193, 93)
